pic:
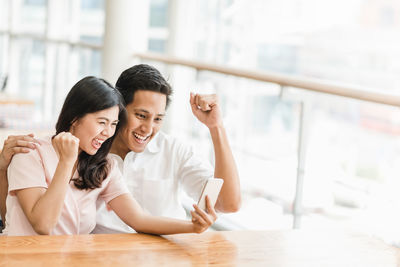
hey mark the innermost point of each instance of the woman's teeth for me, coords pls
(97, 143)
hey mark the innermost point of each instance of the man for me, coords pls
(157, 167)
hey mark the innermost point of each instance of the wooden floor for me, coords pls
(236, 248)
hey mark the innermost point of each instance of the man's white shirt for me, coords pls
(156, 178)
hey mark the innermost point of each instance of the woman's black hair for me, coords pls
(90, 95)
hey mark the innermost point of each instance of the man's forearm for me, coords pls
(3, 194)
(229, 199)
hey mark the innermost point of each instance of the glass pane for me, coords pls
(159, 13)
(31, 69)
(89, 62)
(4, 62)
(347, 41)
(25, 82)
(92, 4)
(158, 26)
(91, 21)
(157, 45)
(32, 16)
(4, 14)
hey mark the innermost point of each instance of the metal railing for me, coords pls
(309, 84)
(43, 38)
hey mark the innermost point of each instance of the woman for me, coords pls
(53, 189)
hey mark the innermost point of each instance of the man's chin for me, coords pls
(137, 149)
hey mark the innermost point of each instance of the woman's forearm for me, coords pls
(132, 214)
(162, 225)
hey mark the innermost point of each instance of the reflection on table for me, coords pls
(229, 248)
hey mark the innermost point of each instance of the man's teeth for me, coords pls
(141, 137)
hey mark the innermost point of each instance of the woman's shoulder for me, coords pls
(43, 150)
(113, 171)
(42, 145)
(45, 144)
(112, 163)
(28, 169)
(45, 141)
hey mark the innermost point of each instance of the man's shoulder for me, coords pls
(170, 142)
(163, 137)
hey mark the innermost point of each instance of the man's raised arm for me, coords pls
(206, 109)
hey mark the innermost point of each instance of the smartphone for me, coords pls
(210, 189)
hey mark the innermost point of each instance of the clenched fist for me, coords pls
(206, 109)
(67, 146)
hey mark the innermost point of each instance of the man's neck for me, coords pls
(119, 148)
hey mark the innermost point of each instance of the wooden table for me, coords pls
(236, 248)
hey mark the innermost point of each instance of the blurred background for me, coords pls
(306, 159)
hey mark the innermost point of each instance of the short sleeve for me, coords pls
(115, 186)
(193, 171)
(26, 171)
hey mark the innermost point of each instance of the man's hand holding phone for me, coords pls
(204, 214)
(201, 219)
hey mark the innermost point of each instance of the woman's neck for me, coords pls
(119, 148)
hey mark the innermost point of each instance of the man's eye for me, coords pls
(158, 119)
(102, 122)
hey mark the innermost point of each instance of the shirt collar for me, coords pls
(154, 145)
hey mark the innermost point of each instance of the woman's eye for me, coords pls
(158, 119)
(102, 122)
(141, 116)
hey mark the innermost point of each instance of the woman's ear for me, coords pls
(74, 123)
